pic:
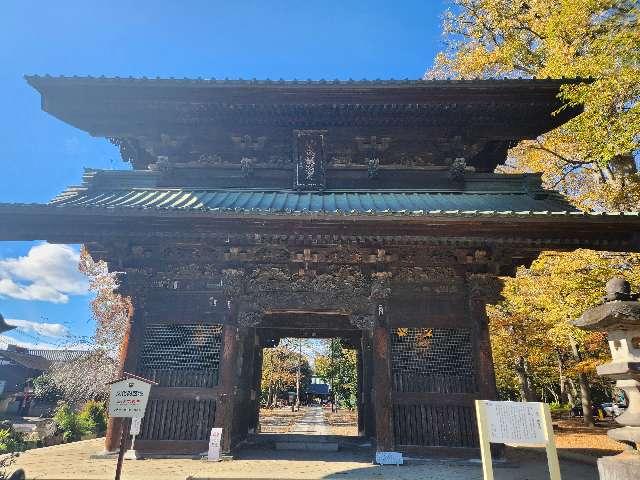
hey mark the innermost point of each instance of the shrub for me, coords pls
(73, 426)
(94, 416)
(559, 408)
(11, 441)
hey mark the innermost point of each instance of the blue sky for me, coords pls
(247, 39)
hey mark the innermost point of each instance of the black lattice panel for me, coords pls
(181, 355)
(438, 360)
(435, 425)
(178, 420)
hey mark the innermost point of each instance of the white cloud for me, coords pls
(54, 330)
(47, 273)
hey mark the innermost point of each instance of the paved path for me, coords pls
(72, 461)
(313, 423)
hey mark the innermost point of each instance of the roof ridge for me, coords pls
(322, 82)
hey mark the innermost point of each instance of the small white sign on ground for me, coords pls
(136, 423)
(515, 423)
(213, 455)
(389, 458)
(129, 398)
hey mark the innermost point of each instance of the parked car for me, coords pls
(608, 410)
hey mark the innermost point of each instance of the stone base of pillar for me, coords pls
(624, 466)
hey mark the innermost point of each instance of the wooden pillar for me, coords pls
(483, 289)
(128, 360)
(360, 394)
(382, 388)
(368, 409)
(225, 407)
(256, 388)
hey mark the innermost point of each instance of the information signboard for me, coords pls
(129, 398)
(515, 423)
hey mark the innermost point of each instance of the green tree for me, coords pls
(279, 372)
(339, 368)
(590, 158)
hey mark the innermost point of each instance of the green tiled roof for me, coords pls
(328, 202)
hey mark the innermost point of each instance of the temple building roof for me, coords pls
(327, 202)
(407, 161)
(399, 123)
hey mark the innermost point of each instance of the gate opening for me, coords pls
(311, 376)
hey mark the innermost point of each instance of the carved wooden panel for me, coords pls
(309, 155)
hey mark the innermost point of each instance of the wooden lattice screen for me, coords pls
(176, 356)
(434, 378)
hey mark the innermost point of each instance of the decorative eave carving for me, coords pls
(485, 287)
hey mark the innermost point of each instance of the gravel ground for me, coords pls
(279, 420)
(73, 462)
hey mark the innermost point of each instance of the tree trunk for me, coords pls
(564, 395)
(526, 393)
(585, 393)
(585, 389)
(571, 392)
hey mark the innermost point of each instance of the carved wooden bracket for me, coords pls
(484, 287)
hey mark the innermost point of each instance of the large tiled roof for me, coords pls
(506, 81)
(328, 202)
(41, 359)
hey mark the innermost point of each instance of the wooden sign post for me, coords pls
(127, 400)
(515, 423)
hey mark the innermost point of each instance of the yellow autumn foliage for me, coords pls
(590, 158)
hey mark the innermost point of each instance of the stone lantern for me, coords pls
(619, 316)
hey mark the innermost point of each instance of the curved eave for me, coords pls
(548, 230)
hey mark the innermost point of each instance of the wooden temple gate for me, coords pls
(362, 210)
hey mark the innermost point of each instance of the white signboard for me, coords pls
(515, 423)
(2, 384)
(214, 445)
(389, 458)
(129, 398)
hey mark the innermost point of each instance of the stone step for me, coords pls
(317, 446)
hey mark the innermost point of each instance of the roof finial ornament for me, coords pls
(4, 326)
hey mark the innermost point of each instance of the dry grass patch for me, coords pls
(572, 435)
(279, 420)
(342, 422)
